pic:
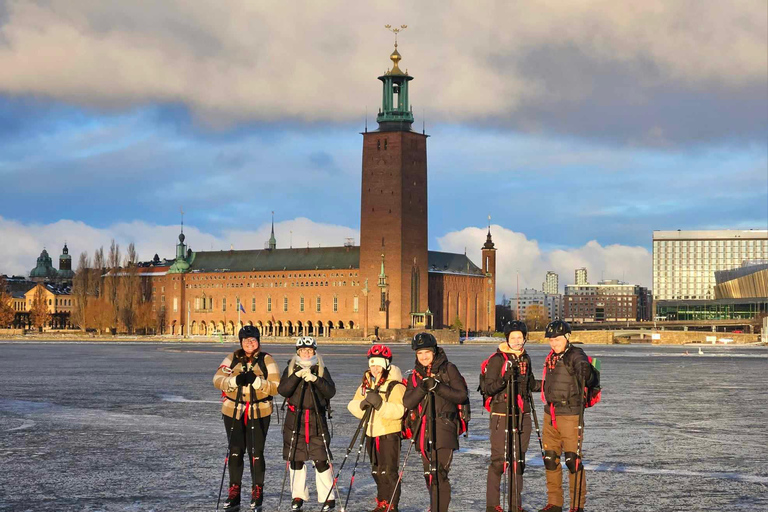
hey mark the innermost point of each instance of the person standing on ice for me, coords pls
(308, 387)
(509, 362)
(248, 380)
(435, 379)
(382, 390)
(567, 372)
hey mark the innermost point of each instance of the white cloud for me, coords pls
(246, 60)
(21, 244)
(516, 253)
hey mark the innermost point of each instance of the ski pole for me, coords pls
(505, 476)
(433, 463)
(229, 442)
(536, 422)
(319, 419)
(363, 422)
(514, 486)
(408, 453)
(579, 462)
(357, 459)
(292, 445)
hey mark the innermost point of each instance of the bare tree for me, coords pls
(129, 287)
(110, 282)
(6, 304)
(40, 315)
(81, 290)
(536, 317)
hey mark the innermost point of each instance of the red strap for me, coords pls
(520, 404)
(306, 427)
(552, 415)
(377, 445)
(247, 407)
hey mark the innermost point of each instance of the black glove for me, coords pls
(511, 370)
(246, 378)
(374, 398)
(364, 404)
(429, 383)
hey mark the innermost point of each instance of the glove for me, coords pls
(430, 383)
(309, 376)
(511, 370)
(245, 378)
(258, 381)
(374, 398)
(302, 372)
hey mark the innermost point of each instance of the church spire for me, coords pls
(272, 239)
(488, 240)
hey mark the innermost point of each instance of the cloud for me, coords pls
(658, 73)
(518, 254)
(22, 243)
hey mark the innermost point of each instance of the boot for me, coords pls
(233, 499)
(497, 508)
(257, 496)
(383, 505)
(329, 505)
(551, 508)
(297, 504)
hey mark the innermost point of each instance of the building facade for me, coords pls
(553, 303)
(580, 276)
(607, 301)
(551, 284)
(390, 281)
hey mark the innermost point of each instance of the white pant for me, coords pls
(323, 480)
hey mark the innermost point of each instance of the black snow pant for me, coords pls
(253, 436)
(442, 486)
(384, 454)
(497, 426)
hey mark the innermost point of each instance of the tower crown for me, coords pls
(395, 113)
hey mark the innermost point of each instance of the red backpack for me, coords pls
(412, 416)
(483, 368)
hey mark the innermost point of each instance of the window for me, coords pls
(317, 304)
(355, 304)
(175, 304)
(335, 304)
(301, 304)
(253, 304)
(285, 303)
(269, 304)
(224, 304)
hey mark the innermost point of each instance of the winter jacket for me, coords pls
(496, 385)
(308, 441)
(224, 379)
(387, 419)
(559, 386)
(449, 393)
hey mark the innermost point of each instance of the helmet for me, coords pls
(306, 342)
(380, 355)
(248, 331)
(515, 325)
(557, 328)
(423, 340)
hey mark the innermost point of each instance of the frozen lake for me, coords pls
(129, 427)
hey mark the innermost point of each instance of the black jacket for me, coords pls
(495, 384)
(449, 393)
(560, 384)
(299, 399)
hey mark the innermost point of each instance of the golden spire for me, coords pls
(395, 54)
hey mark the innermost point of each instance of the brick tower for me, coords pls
(393, 210)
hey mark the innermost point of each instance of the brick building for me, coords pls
(390, 281)
(609, 300)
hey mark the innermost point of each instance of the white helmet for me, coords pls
(306, 342)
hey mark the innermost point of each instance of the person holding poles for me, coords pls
(381, 393)
(435, 388)
(567, 371)
(248, 380)
(308, 387)
(506, 383)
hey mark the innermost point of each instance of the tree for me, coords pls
(6, 304)
(457, 324)
(82, 292)
(536, 317)
(129, 290)
(40, 315)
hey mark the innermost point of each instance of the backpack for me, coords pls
(411, 417)
(592, 395)
(483, 367)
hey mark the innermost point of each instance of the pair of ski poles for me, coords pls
(238, 401)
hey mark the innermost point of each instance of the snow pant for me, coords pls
(497, 426)
(251, 436)
(323, 479)
(563, 439)
(440, 486)
(384, 454)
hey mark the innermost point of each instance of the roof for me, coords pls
(714, 234)
(450, 263)
(326, 258)
(265, 260)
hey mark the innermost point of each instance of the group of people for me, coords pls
(428, 406)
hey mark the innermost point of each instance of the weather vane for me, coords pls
(396, 30)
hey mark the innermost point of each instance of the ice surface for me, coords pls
(134, 427)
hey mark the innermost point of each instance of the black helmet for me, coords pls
(248, 331)
(516, 325)
(557, 328)
(423, 340)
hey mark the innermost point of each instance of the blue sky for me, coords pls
(624, 122)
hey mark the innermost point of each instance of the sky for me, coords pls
(578, 126)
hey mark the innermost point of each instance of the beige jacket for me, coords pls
(224, 379)
(387, 419)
